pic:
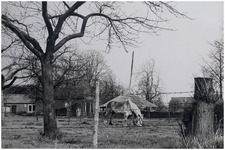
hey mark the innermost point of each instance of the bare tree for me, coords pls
(14, 64)
(45, 27)
(214, 67)
(110, 88)
(95, 69)
(69, 72)
(148, 82)
(13, 68)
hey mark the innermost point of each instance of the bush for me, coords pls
(187, 119)
(22, 113)
(216, 141)
(30, 114)
(219, 112)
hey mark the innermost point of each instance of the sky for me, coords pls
(178, 55)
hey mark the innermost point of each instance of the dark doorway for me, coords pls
(74, 110)
(14, 109)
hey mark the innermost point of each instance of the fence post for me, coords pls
(96, 117)
(169, 115)
(148, 112)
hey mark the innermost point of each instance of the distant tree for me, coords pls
(76, 74)
(109, 88)
(148, 82)
(160, 104)
(44, 28)
(214, 65)
(175, 105)
(13, 68)
(95, 69)
(68, 74)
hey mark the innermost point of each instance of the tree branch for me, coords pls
(11, 83)
(45, 16)
(63, 17)
(4, 49)
(28, 41)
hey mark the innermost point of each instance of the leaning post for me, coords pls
(96, 117)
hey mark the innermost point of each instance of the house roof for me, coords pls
(183, 99)
(186, 101)
(140, 102)
(18, 99)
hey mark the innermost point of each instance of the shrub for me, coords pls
(22, 113)
(216, 141)
(219, 112)
(187, 120)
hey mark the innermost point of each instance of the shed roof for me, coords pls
(18, 99)
(140, 102)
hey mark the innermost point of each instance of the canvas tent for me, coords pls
(140, 102)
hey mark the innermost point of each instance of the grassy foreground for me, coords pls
(25, 132)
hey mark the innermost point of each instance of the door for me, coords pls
(14, 109)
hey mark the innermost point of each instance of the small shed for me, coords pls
(141, 103)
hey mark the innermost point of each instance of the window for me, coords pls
(31, 108)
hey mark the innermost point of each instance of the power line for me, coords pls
(177, 92)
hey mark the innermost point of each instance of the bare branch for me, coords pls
(30, 42)
(8, 85)
(4, 49)
(45, 16)
(63, 17)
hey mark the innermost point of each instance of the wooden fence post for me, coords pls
(148, 112)
(96, 117)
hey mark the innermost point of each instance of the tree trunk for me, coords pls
(2, 103)
(69, 109)
(203, 109)
(50, 124)
(203, 125)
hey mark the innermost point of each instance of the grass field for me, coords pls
(24, 132)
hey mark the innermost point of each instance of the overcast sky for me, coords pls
(177, 54)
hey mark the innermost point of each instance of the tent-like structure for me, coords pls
(140, 102)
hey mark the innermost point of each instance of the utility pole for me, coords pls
(131, 73)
